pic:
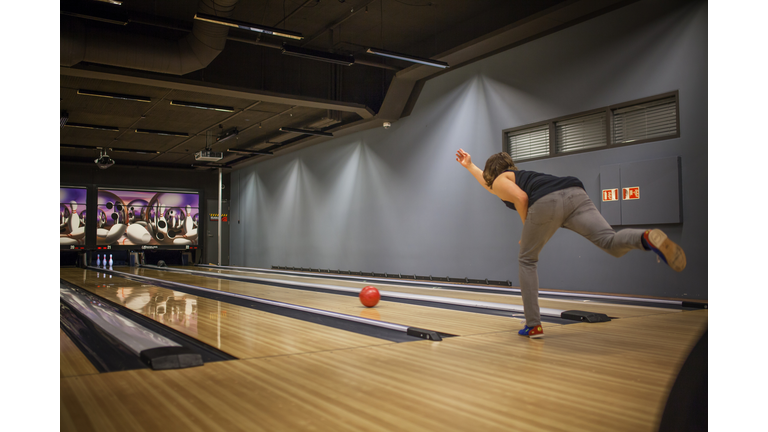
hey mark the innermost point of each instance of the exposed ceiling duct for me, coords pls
(134, 51)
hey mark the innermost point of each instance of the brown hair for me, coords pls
(495, 165)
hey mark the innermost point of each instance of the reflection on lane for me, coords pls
(172, 308)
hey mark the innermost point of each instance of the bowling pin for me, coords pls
(148, 227)
(74, 218)
(162, 225)
(138, 234)
(75, 230)
(98, 260)
(190, 232)
(171, 218)
(113, 234)
(188, 222)
(110, 261)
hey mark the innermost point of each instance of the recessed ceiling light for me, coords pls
(113, 95)
(89, 126)
(159, 132)
(253, 152)
(406, 57)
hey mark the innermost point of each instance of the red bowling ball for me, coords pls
(369, 296)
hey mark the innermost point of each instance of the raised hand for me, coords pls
(463, 158)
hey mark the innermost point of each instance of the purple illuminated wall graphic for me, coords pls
(72, 216)
(146, 218)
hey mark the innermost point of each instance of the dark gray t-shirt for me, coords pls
(537, 185)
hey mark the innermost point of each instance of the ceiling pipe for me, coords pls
(133, 51)
(155, 22)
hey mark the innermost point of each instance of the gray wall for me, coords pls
(396, 200)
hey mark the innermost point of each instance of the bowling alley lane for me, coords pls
(239, 331)
(613, 310)
(431, 318)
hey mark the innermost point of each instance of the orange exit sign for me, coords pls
(611, 194)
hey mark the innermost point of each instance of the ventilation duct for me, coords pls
(133, 51)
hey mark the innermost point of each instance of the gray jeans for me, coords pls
(569, 208)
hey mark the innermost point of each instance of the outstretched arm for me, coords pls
(465, 160)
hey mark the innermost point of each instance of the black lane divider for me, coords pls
(427, 303)
(363, 326)
(207, 352)
(100, 348)
(634, 301)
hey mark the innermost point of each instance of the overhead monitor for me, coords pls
(142, 219)
(72, 217)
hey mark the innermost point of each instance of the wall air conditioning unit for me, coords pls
(208, 156)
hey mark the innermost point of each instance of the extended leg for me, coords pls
(586, 220)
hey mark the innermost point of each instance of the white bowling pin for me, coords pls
(114, 233)
(74, 218)
(148, 227)
(98, 260)
(75, 230)
(138, 234)
(191, 235)
(110, 261)
(188, 222)
(162, 225)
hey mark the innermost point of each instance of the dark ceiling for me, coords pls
(158, 51)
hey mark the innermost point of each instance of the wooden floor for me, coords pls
(294, 375)
(72, 361)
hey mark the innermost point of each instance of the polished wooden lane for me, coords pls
(596, 377)
(613, 310)
(437, 319)
(239, 331)
(72, 362)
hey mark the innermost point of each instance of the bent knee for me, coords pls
(527, 261)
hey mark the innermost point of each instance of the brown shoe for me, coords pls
(669, 251)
